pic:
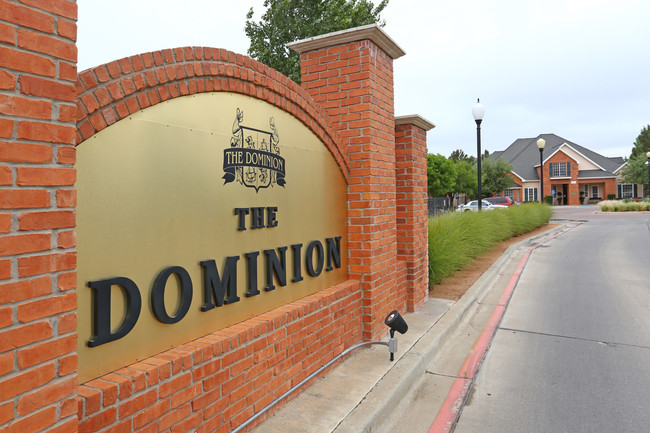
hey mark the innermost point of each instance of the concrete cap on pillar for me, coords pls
(371, 32)
(416, 120)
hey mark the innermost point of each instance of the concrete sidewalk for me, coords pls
(359, 394)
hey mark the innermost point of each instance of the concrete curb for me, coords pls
(374, 409)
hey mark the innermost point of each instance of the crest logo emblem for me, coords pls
(253, 158)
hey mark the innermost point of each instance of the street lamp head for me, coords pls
(648, 155)
(478, 111)
(541, 143)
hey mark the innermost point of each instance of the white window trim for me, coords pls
(530, 192)
(565, 164)
(630, 193)
(595, 188)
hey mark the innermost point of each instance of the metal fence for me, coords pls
(438, 205)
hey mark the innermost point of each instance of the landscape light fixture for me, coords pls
(540, 145)
(394, 321)
(478, 111)
(648, 163)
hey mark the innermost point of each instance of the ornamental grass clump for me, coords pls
(624, 206)
(456, 239)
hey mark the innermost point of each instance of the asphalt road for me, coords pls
(572, 353)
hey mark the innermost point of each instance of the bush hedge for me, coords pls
(455, 239)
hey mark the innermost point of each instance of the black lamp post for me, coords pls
(540, 145)
(648, 155)
(478, 111)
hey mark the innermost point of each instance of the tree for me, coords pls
(466, 178)
(495, 176)
(642, 143)
(636, 170)
(290, 20)
(459, 155)
(441, 175)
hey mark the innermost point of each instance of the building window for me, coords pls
(627, 190)
(508, 193)
(586, 190)
(594, 191)
(530, 194)
(560, 169)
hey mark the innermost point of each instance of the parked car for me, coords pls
(505, 201)
(485, 205)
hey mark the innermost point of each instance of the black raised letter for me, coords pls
(212, 283)
(310, 258)
(270, 216)
(158, 294)
(251, 265)
(257, 217)
(276, 266)
(333, 252)
(241, 212)
(297, 264)
(101, 296)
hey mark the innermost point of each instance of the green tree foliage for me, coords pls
(636, 170)
(290, 20)
(642, 143)
(495, 176)
(466, 181)
(441, 174)
(459, 155)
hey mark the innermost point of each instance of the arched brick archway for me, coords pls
(110, 92)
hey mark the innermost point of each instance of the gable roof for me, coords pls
(523, 155)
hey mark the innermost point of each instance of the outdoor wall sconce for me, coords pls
(394, 321)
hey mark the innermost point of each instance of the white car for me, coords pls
(485, 205)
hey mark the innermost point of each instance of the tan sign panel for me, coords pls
(195, 214)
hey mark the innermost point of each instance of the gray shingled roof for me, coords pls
(523, 154)
(590, 174)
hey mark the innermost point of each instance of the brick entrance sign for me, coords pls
(310, 224)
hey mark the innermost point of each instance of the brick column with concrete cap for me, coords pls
(412, 214)
(350, 73)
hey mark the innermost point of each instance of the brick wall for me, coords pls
(573, 193)
(37, 242)
(216, 382)
(411, 202)
(351, 76)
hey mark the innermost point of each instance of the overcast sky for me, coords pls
(576, 68)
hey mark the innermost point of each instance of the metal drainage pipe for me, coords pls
(392, 347)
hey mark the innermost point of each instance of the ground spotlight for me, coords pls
(396, 323)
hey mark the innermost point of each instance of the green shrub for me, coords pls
(611, 196)
(457, 238)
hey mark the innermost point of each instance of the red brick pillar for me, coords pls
(38, 319)
(350, 73)
(412, 214)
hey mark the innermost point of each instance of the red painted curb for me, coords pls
(451, 407)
